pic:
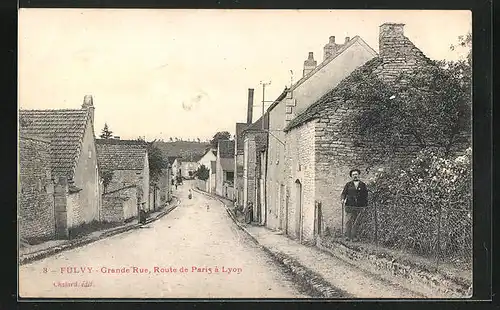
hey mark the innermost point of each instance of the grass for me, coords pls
(461, 275)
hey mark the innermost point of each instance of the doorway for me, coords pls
(298, 210)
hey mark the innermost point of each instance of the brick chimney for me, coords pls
(330, 48)
(391, 40)
(250, 106)
(88, 104)
(309, 64)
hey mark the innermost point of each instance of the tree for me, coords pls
(171, 139)
(431, 106)
(202, 173)
(198, 139)
(106, 133)
(221, 135)
(156, 162)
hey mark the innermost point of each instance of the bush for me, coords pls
(415, 206)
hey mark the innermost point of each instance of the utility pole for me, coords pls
(264, 100)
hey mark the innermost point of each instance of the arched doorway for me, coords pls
(298, 210)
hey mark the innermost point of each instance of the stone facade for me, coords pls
(342, 60)
(300, 163)
(36, 200)
(335, 154)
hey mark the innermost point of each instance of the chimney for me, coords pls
(309, 64)
(250, 106)
(390, 39)
(347, 39)
(330, 48)
(88, 104)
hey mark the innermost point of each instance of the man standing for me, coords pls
(355, 198)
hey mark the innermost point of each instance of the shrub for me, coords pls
(416, 205)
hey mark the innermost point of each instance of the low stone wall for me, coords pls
(119, 205)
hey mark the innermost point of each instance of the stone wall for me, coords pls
(36, 200)
(119, 205)
(300, 163)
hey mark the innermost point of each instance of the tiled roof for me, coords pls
(122, 155)
(226, 148)
(239, 137)
(171, 159)
(333, 97)
(65, 130)
(227, 164)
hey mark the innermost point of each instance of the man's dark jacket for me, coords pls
(356, 197)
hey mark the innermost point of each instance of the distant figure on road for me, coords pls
(354, 198)
(190, 194)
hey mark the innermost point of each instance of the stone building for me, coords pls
(339, 61)
(255, 138)
(224, 165)
(73, 162)
(125, 165)
(36, 214)
(319, 156)
(239, 149)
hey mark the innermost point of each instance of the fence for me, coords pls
(442, 233)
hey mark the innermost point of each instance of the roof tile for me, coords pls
(64, 128)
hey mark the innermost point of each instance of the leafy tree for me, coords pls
(198, 139)
(202, 173)
(156, 162)
(430, 106)
(106, 133)
(106, 176)
(171, 139)
(221, 135)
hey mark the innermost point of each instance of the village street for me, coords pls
(190, 236)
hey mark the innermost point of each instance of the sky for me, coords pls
(186, 73)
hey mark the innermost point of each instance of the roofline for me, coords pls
(324, 63)
(344, 48)
(278, 100)
(51, 110)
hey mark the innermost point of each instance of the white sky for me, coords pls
(143, 66)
